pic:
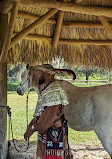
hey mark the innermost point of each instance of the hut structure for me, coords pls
(36, 31)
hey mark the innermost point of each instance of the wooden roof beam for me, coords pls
(9, 33)
(33, 17)
(78, 1)
(85, 42)
(65, 23)
(70, 7)
(58, 29)
(79, 24)
(6, 5)
(32, 26)
(36, 37)
(68, 41)
(106, 24)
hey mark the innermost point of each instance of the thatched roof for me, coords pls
(88, 45)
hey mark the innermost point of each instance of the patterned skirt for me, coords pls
(53, 144)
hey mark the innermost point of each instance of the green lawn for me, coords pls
(18, 107)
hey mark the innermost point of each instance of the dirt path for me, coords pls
(84, 151)
(89, 152)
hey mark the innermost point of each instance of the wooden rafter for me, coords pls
(85, 42)
(58, 29)
(33, 17)
(5, 5)
(83, 24)
(106, 24)
(32, 26)
(9, 33)
(78, 1)
(36, 37)
(70, 7)
(68, 41)
(65, 23)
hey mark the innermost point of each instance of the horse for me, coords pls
(89, 108)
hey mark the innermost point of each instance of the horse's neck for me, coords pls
(39, 89)
(64, 84)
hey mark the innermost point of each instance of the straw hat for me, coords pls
(46, 68)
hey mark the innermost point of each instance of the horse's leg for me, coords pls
(104, 133)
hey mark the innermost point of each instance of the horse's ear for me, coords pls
(27, 66)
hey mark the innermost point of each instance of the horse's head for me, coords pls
(34, 77)
(26, 80)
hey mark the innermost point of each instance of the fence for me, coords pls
(14, 80)
(76, 82)
(91, 82)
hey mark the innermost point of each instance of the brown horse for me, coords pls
(90, 108)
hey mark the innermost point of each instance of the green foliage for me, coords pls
(12, 86)
(13, 71)
(90, 73)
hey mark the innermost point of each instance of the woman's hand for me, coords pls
(28, 133)
(30, 130)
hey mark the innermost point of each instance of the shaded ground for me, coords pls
(89, 152)
(84, 151)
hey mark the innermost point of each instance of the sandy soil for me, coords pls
(84, 151)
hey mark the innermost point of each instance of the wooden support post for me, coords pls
(3, 90)
(70, 7)
(106, 24)
(32, 26)
(58, 28)
(9, 33)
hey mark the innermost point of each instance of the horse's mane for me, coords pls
(69, 72)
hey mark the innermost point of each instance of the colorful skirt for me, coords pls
(54, 144)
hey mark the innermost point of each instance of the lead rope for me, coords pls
(11, 127)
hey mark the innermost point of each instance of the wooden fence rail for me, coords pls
(76, 82)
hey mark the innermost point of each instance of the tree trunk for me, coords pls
(3, 91)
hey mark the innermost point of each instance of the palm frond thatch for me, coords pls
(39, 51)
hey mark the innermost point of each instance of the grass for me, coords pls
(18, 107)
